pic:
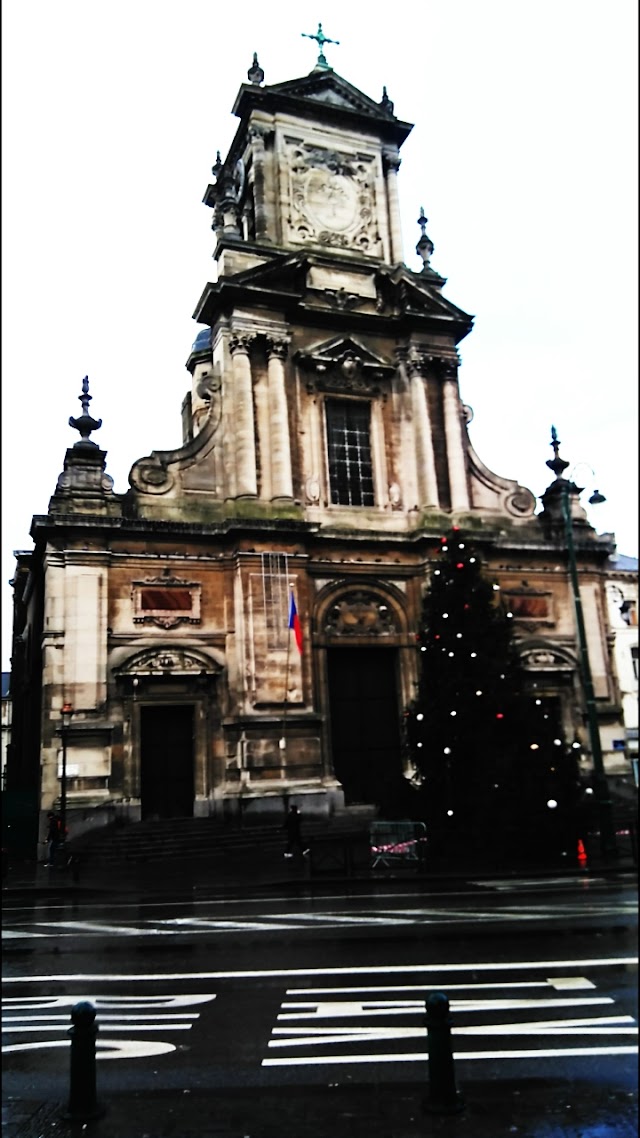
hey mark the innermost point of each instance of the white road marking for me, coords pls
(316, 1036)
(360, 970)
(117, 1048)
(559, 984)
(422, 1057)
(417, 1007)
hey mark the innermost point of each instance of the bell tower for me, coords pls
(313, 165)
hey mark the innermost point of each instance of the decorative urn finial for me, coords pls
(425, 245)
(386, 103)
(255, 74)
(556, 464)
(85, 424)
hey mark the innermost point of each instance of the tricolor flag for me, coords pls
(294, 622)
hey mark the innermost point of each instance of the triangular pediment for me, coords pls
(335, 350)
(323, 87)
(326, 86)
(415, 294)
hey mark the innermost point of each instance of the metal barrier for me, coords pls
(393, 843)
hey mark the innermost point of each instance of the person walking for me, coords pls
(293, 827)
(54, 835)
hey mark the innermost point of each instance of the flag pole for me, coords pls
(283, 739)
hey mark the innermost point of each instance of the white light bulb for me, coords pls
(472, 560)
(436, 572)
(419, 717)
(589, 790)
(557, 742)
(461, 546)
(445, 616)
(458, 636)
(449, 813)
(576, 746)
(423, 649)
(538, 702)
(534, 747)
(447, 750)
(451, 653)
(453, 712)
(419, 744)
(552, 803)
(495, 588)
(478, 693)
(473, 655)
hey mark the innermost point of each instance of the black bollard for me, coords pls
(83, 1104)
(443, 1096)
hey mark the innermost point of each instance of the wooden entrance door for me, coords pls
(365, 728)
(166, 751)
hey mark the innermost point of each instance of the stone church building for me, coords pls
(325, 452)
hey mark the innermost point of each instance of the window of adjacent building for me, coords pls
(634, 660)
(349, 453)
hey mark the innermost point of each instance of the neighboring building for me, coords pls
(622, 598)
(325, 452)
(5, 721)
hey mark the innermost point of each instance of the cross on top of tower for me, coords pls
(321, 40)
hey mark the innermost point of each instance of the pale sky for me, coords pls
(524, 156)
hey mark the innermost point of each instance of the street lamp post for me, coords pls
(601, 786)
(67, 712)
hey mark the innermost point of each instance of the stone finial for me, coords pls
(85, 424)
(556, 464)
(217, 168)
(386, 103)
(321, 40)
(425, 245)
(255, 74)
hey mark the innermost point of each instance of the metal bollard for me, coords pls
(83, 1104)
(443, 1096)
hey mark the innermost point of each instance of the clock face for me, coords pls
(331, 200)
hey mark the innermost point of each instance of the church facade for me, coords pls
(325, 452)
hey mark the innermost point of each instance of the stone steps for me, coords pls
(198, 837)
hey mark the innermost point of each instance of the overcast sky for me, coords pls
(524, 156)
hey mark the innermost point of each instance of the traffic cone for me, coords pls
(582, 854)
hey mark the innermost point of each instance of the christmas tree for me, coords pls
(488, 754)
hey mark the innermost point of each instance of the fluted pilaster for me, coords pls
(391, 163)
(455, 450)
(425, 458)
(245, 443)
(281, 477)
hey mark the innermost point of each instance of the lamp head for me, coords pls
(596, 498)
(67, 712)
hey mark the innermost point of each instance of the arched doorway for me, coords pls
(167, 760)
(363, 629)
(365, 731)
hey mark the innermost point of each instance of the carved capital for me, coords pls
(240, 343)
(278, 347)
(391, 161)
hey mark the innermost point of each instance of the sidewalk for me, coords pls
(224, 873)
(529, 1108)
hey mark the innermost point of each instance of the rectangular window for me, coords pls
(349, 445)
(634, 660)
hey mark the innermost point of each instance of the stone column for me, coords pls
(455, 449)
(391, 165)
(245, 443)
(425, 459)
(257, 135)
(281, 479)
